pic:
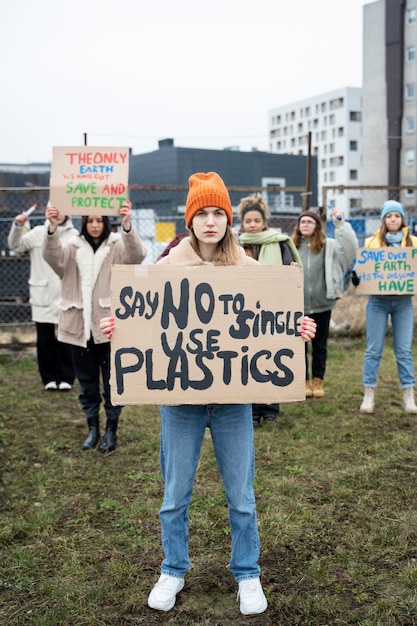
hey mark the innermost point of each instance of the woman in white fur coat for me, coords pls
(84, 266)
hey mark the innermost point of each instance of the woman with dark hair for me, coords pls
(325, 262)
(268, 247)
(84, 266)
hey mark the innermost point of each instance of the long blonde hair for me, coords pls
(227, 251)
(384, 230)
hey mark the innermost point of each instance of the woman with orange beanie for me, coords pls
(208, 216)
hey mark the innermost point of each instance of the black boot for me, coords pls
(271, 412)
(93, 434)
(109, 441)
(256, 416)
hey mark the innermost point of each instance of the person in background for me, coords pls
(394, 233)
(325, 261)
(268, 247)
(208, 216)
(84, 267)
(53, 357)
(172, 244)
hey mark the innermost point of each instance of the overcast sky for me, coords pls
(131, 72)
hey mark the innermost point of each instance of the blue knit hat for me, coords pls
(392, 205)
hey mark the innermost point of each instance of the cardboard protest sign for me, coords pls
(199, 335)
(88, 180)
(386, 271)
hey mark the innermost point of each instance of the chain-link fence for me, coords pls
(158, 215)
(363, 203)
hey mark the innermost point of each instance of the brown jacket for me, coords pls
(184, 254)
(85, 279)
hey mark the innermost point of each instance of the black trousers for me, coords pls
(54, 357)
(318, 345)
(89, 363)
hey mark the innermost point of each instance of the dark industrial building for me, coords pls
(170, 165)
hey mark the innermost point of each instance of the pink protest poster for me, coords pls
(87, 180)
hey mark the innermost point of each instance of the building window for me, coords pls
(278, 145)
(323, 135)
(332, 177)
(411, 54)
(292, 115)
(353, 145)
(323, 107)
(337, 103)
(278, 119)
(307, 111)
(409, 91)
(292, 142)
(332, 148)
(409, 157)
(353, 174)
(411, 16)
(315, 123)
(355, 116)
(285, 129)
(323, 163)
(355, 203)
(409, 124)
(332, 119)
(410, 192)
(300, 127)
(315, 151)
(340, 131)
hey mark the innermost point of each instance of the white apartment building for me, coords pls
(334, 120)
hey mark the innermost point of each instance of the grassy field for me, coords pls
(337, 508)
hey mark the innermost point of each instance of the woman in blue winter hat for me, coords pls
(392, 232)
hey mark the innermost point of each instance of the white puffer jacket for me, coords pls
(44, 284)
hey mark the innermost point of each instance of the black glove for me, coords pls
(355, 278)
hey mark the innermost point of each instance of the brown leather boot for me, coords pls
(309, 389)
(318, 391)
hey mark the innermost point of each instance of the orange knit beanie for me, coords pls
(207, 190)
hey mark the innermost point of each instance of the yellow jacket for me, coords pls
(375, 240)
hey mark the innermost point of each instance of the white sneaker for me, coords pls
(64, 386)
(52, 386)
(252, 597)
(163, 595)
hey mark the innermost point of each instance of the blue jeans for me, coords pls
(182, 433)
(378, 309)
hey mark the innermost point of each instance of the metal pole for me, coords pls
(306, 198)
